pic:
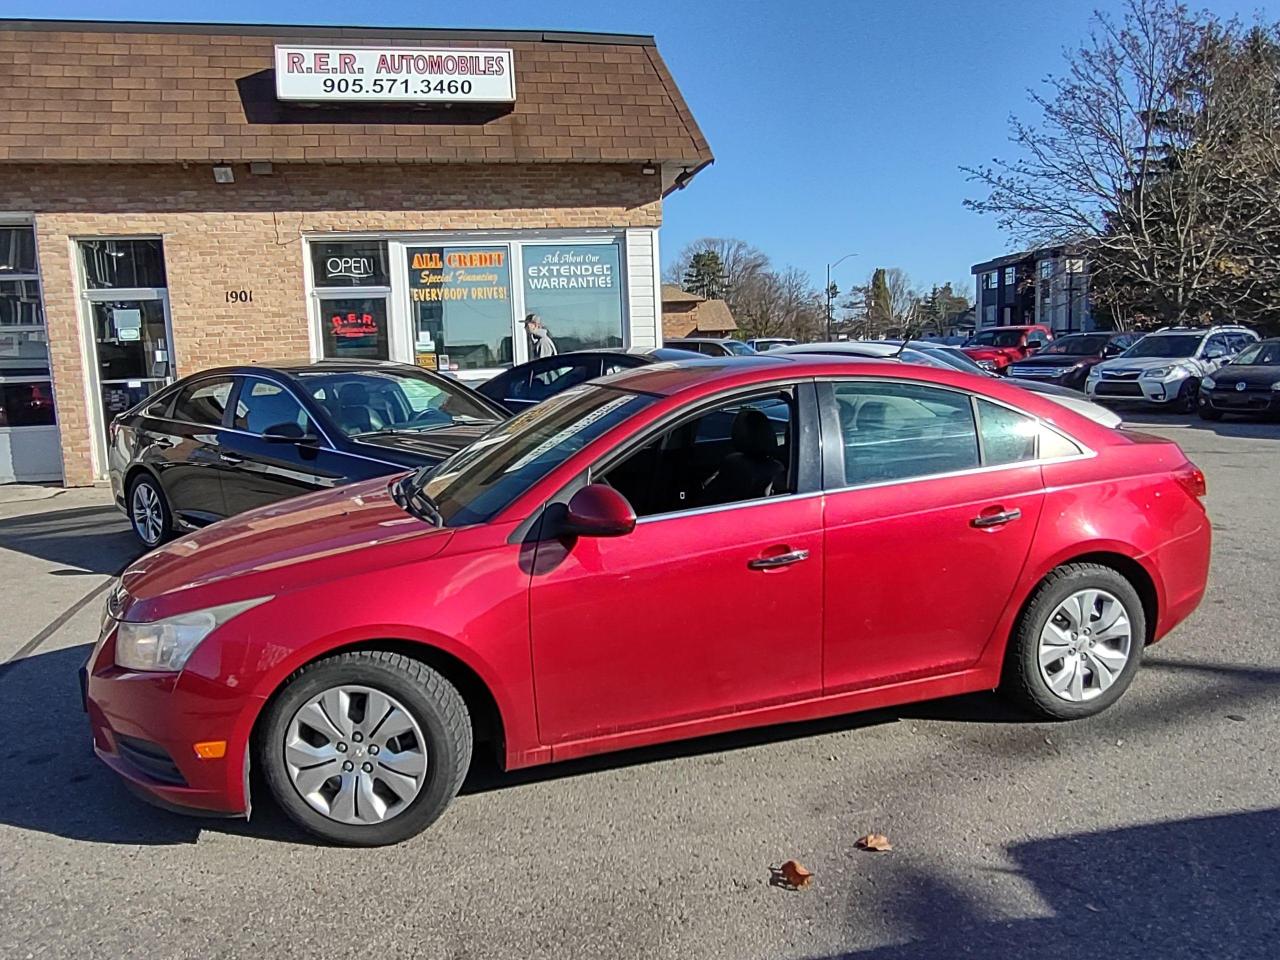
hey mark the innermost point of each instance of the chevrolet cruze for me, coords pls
(669, 552)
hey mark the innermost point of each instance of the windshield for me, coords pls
(738, 348)
(389, 400)
(479, 480)
(1259, 355)
(1171, 345)
(1078, 345)
(996, 338)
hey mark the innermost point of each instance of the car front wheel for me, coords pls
(366, 748)
(149, 513)
(1078, 643)
(1209, 413)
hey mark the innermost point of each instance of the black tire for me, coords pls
(1208, 413)
(141, 527)
(433, 702)
(1022, 680)
(1187, 397)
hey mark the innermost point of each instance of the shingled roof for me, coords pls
(94, 92)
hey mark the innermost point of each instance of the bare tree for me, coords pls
(781, 304)
(742, 265)
(1157, 150)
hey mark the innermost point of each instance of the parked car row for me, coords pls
(353, 648)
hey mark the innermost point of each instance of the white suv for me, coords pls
(1166, 367)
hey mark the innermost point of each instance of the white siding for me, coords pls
(644, 289)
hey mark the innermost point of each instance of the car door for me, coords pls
(187, 457)
(711, 605)
(932, 501)
(274, 450)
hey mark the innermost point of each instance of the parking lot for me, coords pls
(1150, 831)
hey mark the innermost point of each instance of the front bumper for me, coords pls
(145, 726)
(1136, 390)
(1062, 377)
(1258, 400)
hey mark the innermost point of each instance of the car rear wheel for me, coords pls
(1077, 644)
(149, 513)
(366, 748)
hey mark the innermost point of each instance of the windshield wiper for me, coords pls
(413, 500)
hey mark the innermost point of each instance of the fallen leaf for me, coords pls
(874, 841)
(1236, 717)
(795, 875)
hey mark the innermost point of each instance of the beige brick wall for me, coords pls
(249, 235)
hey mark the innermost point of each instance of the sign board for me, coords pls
(374, 74)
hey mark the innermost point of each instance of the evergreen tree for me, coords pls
(705, 275)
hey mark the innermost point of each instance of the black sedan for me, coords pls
(227, 440)
(1248, 383)
(1067, 360)
(532, 382)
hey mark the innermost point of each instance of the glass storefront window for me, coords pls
(122, 264)
(576, 290)
(355, 328)
(26, 404)
(17, 250)
(460, 305)
(20, 303)
(350, 263)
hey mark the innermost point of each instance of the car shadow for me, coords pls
(1200, 887)
(1249, 428)
(85, 540)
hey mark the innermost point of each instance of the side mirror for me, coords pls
(288, 433)
(598, 510)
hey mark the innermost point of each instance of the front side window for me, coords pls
(1077, 345)
(576, 291)
(996, 338)
(897, 431)
(265, 407)
(1260, 355)
(478, 481)
(380, 401)
(551, 378)
(203, 402)
(739, 451)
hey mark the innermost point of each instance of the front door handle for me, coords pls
(781, 560)
(230, 458)
(984, 520)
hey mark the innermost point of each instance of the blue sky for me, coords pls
(838, 125)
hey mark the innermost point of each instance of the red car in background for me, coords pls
(863, 534)
(997, 347)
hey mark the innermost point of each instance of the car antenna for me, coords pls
(902, 346)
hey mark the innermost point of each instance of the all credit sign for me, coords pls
(460, 75)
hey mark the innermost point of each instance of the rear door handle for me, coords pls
(781, 560)
(995, 519)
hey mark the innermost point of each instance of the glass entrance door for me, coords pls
(133, 350)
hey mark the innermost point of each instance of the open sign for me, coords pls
(350, 268)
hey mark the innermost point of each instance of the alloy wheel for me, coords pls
(147, 514)
(355, 755)
(1085, 645)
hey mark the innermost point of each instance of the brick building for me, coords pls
(176, 196)
(686, 314)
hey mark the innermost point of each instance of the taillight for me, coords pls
(1192, 480)
(113, 431)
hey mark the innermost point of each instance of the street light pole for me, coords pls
(830, 266)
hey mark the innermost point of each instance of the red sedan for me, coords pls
(673, 551)
(997, 347)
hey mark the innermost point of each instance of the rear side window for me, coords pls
(203, 402)
(555, 378)
(268, 407)
(1007, 436)
(898, 431)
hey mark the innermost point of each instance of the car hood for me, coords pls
(1139, 363)
(274, 549)
(992, 353)
(1059, 359)
(1259, 376)
(415, 448)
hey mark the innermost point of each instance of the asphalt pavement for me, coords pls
(1152, 831)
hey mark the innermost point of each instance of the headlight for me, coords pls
(987, 364)
(1157, 373)
(166, 645)
(1208, 383)
(1095, 374)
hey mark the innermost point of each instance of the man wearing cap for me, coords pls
(540, 342)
